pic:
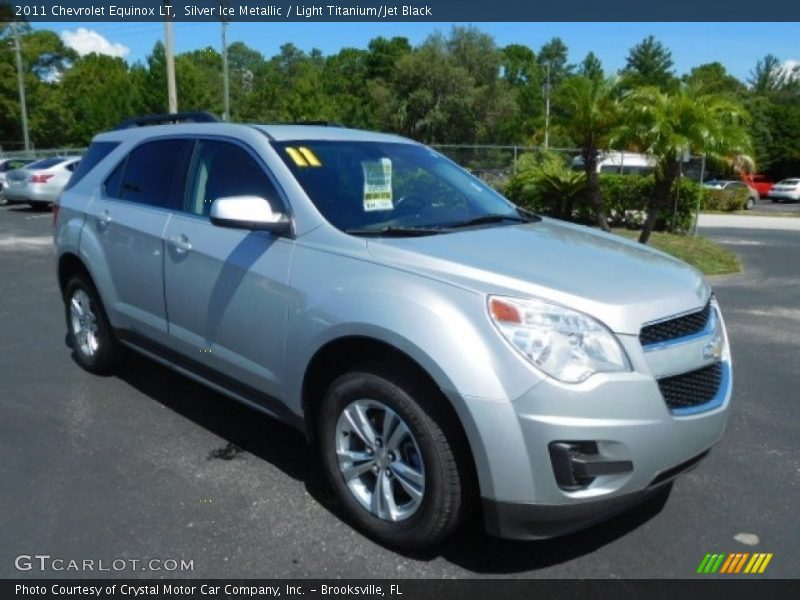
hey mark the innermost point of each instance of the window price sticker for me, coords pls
(377, 185)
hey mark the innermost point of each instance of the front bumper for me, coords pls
(622, 418)
(779, 195)
(527, 521)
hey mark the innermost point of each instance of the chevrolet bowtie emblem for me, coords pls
(713, 349)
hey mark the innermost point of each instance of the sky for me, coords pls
(736, 45)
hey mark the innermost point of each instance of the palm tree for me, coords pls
(588, 114)
(672, 126)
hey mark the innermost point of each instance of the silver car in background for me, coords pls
(448, 352)
(6, 165)
(40, 183)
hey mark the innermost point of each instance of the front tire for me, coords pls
(393, 457)
(89, 332)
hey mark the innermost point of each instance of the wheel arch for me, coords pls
(70, 264)
(342, 354)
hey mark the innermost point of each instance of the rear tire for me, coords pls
(751, 202)
(381, 424)
(88, 331)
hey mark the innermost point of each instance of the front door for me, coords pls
(227, 289)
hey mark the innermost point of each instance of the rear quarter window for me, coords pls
(96, 152)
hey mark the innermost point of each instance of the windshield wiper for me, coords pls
(493, 218)
(392, 231)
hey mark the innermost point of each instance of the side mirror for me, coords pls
(248, 212)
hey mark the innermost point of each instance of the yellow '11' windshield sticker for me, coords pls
(303, 157)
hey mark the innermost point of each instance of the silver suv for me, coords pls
(446, 351)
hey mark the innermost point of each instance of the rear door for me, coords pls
(227, 289)
(129, 216)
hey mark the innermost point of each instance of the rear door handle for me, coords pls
(181, 244)
(103, 219)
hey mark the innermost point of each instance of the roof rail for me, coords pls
(318, 123)
(168, 118)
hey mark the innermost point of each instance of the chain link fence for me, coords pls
(36, 154)
(496, 163)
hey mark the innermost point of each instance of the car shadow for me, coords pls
(249, 431)
(26, 208)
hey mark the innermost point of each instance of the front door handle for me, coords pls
(181, 244)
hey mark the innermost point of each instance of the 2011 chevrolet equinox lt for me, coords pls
(446, 351)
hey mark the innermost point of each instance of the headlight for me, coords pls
(567, 345)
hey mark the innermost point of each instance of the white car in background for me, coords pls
(787, 189)
(40, 183)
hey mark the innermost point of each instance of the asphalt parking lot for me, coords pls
(784, 206)
(140, 465)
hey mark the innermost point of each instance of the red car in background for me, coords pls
(759, 182)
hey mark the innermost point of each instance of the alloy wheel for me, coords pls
(380, 460)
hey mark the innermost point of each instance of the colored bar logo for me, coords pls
(732, 564)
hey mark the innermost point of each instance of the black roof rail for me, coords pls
(318, 123)
(168, 118)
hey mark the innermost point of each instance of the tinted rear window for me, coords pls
(45, 163)
(96, 152)
(153, 174)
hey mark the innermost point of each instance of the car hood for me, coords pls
(622, 283)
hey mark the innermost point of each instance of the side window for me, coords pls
(153, 174)
(223, 169)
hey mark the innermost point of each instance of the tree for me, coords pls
(553, 56)
(383, 56)
(198, 76)
(649, 63)
(713, 78)
(591, 67)
(770, 75)
(243, 63)
(78, 114)
(447, 91)
(670, 126)
(589, 113)
(521, 72)
(345, 81)
(45, 59)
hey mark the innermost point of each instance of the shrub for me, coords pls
(725, 200)
(626, 197)
(546, 184)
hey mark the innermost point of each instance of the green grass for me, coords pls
(703, 254)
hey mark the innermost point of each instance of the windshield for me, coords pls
(361, 187)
